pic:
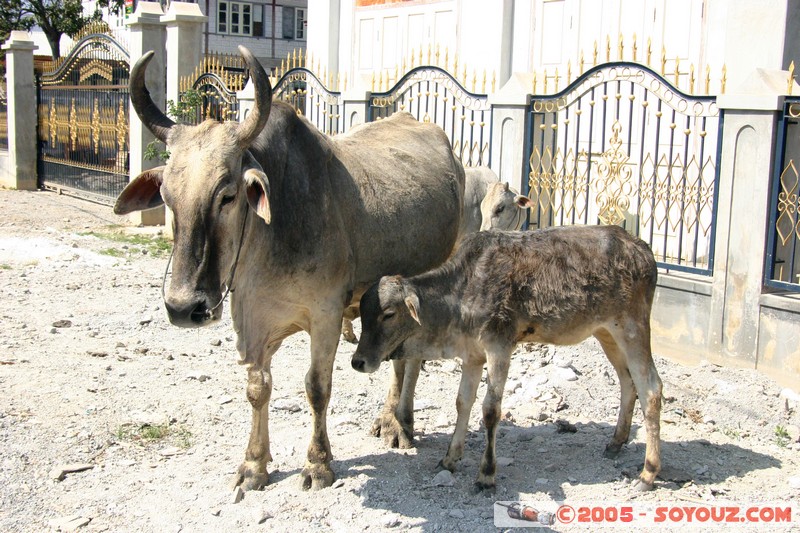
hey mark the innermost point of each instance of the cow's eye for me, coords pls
(227, 199)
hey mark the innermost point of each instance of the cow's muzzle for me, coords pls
(191, 314)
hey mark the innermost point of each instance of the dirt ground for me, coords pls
(94, 378)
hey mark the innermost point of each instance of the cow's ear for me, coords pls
(523, 202)
(144, 192)
(412, 302)
(257, 186)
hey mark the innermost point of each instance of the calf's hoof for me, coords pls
(483, 484)
(316, 477)
(251, 476)
(392, 432)
(641, 486)
(612, 450)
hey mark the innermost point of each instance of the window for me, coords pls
(235, 18)
(294, 23)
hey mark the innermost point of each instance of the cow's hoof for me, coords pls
(392, 432)
(249, 477)
(316, 477)
(483, 487)
(612, 450)
(444, 464)
(641, 486)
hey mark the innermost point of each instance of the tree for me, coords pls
(54, 17)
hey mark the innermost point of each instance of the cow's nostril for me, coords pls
(358, 364)
(200, 313)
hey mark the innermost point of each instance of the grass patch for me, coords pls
(781, 436)
(155, 245)
(146, 434)
(4, 266)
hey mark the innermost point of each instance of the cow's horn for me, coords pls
(151, 116)
(257, 119)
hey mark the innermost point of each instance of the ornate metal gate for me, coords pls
(621, 145)
(83, 121)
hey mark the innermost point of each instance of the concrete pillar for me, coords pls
(355, 107)
(147, 33)
(510, 131)
(21, 95)
(185, 24)
(746, 167)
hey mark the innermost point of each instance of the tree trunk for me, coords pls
(54, 38)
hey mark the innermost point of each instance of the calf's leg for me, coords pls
(470, 379)
(634, 340)
(498, 361)
(396, 422)
(627, 393)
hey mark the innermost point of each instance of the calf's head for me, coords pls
(503, 208)
(209, 182)
(389, 315)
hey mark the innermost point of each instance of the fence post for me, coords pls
(746, 169)
(21, 97)
(355, 107)
(147, 33)
(509, 131)
(184, 23)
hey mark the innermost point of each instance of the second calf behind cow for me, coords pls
(556, 286)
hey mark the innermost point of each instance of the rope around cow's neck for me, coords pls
(228, 283)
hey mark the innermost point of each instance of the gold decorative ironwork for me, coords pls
(787, 224)
(613, 186)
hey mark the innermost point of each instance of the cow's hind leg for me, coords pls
(252, 473)
(634, 340)
(470, 379)
(396, 422)
(498, 360)
(317, 472)
(627, 393)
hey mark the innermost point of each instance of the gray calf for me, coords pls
(557, 286)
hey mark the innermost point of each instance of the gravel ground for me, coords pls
(154, 418)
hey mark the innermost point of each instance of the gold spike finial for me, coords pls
(677, 70)
(437, 55)
(413, 57)
(791, 78)
(663, 61)
(649, 50)
(691, 78)
(372, 85)
(608, 48)
(494, 80)
(620, 47)
(594, 55)
(534, 83)
(483, 82)
(545, 82)
(581, 64)
(708, 79)
(634, 47)
(724, 79)
(556, 79)
(569, 72)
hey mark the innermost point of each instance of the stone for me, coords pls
(170, 451)
(339, 483)
(216, 342)
(238, 495)
(456, 513)
(61, 471)
(542, 481)
(62, 324)
(422, 404)
(443, 479)
(562, 361)
(69, 523)
(391, 521)
(286, 404)
(505, 461)
(265, 515)
(565, 374)
(794, 482)
(199, 376)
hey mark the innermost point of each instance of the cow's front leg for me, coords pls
(396, 422)
(253, 471)
(317, 473)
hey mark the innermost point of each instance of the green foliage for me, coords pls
(184, 111)
(54, 17)
(781, 436)
(152, 433)
(157, 246)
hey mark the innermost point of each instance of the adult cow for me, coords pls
(296, 226)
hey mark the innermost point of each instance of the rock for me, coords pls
(457, 513)
(286, 404)
(225, 399)
(339, 483)
(791, 399)
(170, 451)
(542, 481)
(145, 320)
(512, 385)
(565, 374)
(265, 515)
(97, 353)
(564, 426)
(69, 523)
(443, 479)
(422, 404)
(216, 342)
(708, 420)
(794, 482)
(524, 435)
(391, 521)
(793, 432)
(216, 511)
(562, 361)
(238, 494)
(62, 324)
(199, 376)
(504, 461)
(61, 471)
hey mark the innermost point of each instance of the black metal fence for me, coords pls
(83, 127)
(782, 269)
(308, 94)
(621, 145)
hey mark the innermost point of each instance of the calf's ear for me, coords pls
(412, 302)
(144, 192)
(257, 186)
(523, 202)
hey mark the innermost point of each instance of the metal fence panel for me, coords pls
(621, 145)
